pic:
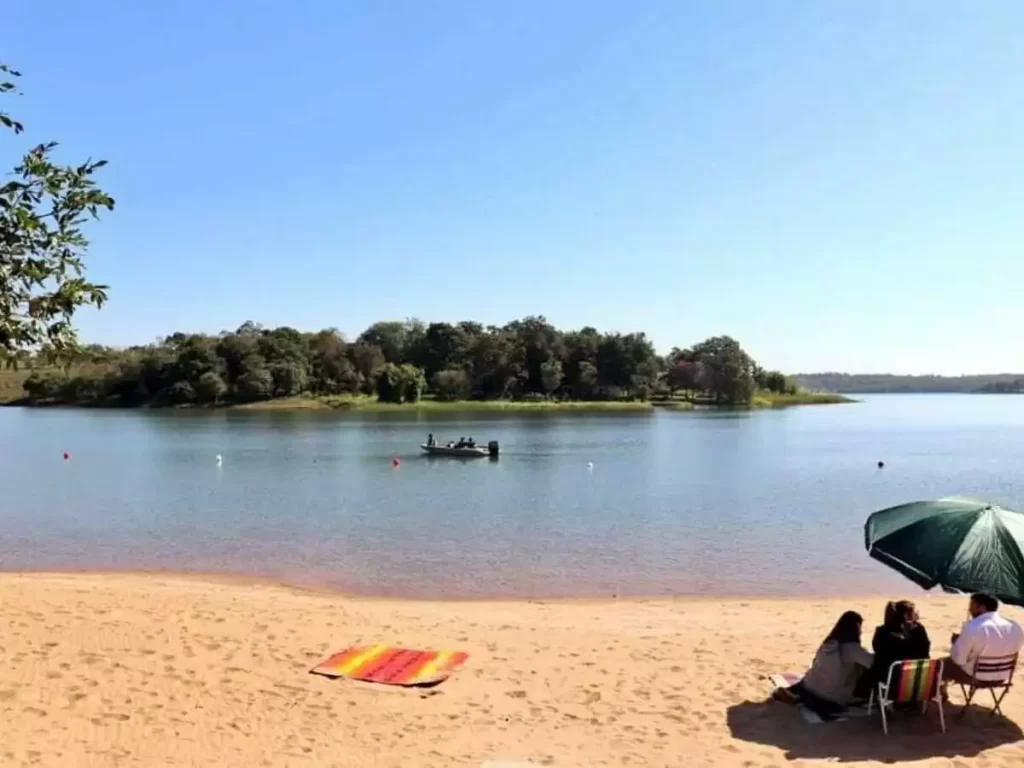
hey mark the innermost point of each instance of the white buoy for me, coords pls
(590, 465)
(220, 459)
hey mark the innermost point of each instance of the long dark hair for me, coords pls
(847, 629)
(898, 615)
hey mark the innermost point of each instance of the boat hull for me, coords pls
(458, 453)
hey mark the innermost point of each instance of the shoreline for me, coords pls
(366, 404)
(312, 587)
(142, 669)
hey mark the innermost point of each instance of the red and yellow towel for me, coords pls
(391, 666)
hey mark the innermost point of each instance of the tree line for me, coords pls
(877, 383)
(1003, 387)
(399, 362)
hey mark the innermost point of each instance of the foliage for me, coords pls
(42, 211)
(400, 383)
(1014, 387)
(257, 383)
(527, 361)
(718, 366)
(551, 376)
(210, 387)
(451, 384)
(683, 375)
(766, 399)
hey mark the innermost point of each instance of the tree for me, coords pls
(400, 383)
(331, 372)
(775, 381)
(451, 384)
(180, 393)
(367, 359)
(42, 245)
(290, 377)
(613, 362)
(235, 348)
(493, 371)
(210, 388)
(254, 384)
(196, 355)
(587, 382)
(43, 388)
(550, 376)
(684, 375)
(526, 358)
(726, 370)
(283, 345)
(580, 347)
(397, 340)
(535, 341)
(446, 346)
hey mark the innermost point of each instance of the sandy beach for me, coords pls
(148, 670)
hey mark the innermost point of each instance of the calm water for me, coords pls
(753, 503)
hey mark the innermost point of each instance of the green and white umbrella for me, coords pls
(958, 543)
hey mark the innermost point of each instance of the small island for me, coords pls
(527, 364)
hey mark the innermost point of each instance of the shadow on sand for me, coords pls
(911, 737)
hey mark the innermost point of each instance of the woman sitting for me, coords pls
(828, 687)
(900, 637)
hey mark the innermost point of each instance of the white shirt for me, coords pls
(987, 635)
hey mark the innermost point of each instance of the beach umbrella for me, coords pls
(959, 544)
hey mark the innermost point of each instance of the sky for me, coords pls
(838, 185)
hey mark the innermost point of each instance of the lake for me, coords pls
(751, 503)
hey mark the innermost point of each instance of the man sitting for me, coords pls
(986, 633)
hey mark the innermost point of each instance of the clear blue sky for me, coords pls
(839, 185)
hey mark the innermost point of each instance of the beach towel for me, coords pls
(391, 666)
(786, 679)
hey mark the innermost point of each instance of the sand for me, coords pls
(150, 670)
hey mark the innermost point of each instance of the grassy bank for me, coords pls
(367, 403)
(776, 400)
(673, 405)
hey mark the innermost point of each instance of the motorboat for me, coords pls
(465, 452)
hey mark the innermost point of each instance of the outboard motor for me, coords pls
(492, 448)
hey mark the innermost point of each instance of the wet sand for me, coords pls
(144, 670)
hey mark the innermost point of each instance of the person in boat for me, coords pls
(461, 443)
(431, 441)
(471, 443)
(828, 687)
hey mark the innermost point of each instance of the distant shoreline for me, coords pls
(895, 384)
(367, 404)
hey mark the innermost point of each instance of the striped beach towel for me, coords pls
(391, 666)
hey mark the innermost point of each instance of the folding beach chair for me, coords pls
(915, 681)
(1001, 667)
